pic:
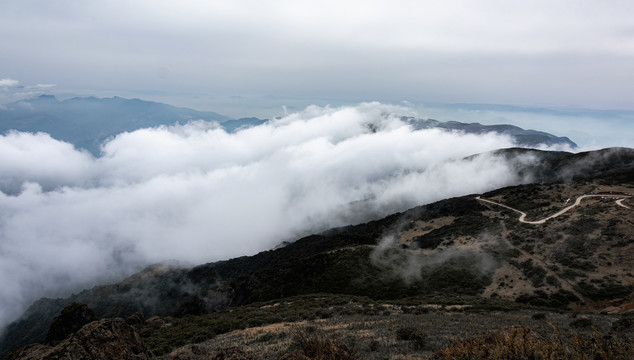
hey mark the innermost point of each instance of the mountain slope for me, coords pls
(87, 122)
(529, 138)
(459, 246)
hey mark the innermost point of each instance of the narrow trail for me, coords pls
(523, 215)
(620, 203)
(564, 283)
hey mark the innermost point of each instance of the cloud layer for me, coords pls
(195, 194)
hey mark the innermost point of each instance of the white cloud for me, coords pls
(12, 91)
(43, 86)
(40, 159)
(6, 83)
(197, 194)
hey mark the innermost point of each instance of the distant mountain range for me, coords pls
(529, 138)
(86, 122)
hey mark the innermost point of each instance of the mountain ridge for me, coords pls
(456, 246)
(87, 122)
(529, 138)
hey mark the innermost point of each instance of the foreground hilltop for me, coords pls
(467, 251)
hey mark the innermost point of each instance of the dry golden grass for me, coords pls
(450, 333)
(521, 343)
(309, 345)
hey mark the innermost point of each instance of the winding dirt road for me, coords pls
(565, 284)
(620, 203)
(522, 218)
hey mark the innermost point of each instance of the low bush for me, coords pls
(539, 316)
(559, 299)
(416, 336)
(624, 323)
(582, 323)
(310, 345)
(607, 289)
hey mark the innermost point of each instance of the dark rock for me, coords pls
(135, 319)
(235, 353)
(157, 322)
(101, 339)
(72, 318)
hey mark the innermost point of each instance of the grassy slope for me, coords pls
(373, 328)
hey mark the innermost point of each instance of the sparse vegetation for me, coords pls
(606, 289)
(381, 336)
(414, 335)
(538, 316)
(370, 310)
(559, 299)
(309, 345)
(523, 344)
(581, 323)
(535, 273)
(624, 324)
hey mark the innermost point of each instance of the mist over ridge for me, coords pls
(195, 193)
(219, 147)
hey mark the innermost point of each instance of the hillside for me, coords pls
(461, 248)
(530, 138)
(87, 122)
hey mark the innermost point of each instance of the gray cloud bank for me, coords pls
(195, 193)
(566, 52)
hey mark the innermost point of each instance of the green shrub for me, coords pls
(535, 273)
(624, 323)
(607, 290)
(582, 323)
(551, 280)
(559, 299)
(374, 345)
(416, 336)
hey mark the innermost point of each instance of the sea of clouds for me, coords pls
(195, 194)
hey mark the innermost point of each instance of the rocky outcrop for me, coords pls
(72, 318)
(101, 339)
(135, 319)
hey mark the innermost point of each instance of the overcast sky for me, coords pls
(200, 53)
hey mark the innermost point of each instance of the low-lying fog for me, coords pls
(196, 194)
